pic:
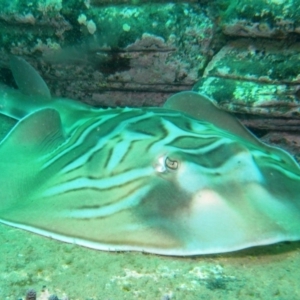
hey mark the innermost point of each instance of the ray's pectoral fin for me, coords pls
(33, 93)
(34, 136)
(28, 79)
(39, 132)
(202, 108)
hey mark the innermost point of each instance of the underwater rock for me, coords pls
(259, 78)
(134, 2)
(269, 19)
(98, 53)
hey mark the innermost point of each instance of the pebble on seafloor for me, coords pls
(53, 297)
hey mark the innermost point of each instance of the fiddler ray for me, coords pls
(184, 179)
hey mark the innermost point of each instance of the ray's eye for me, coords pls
(171, 164)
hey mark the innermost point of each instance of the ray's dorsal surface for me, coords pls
(186, 179)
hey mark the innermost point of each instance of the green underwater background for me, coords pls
(243, 54)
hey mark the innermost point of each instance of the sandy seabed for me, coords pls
(76, 273)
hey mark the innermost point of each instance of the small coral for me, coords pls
(30, 295)
(91, 26)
